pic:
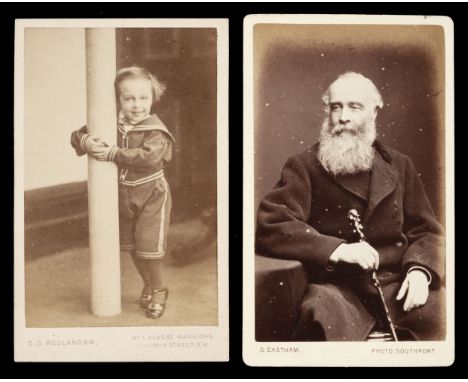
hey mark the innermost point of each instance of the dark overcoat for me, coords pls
(305, 218)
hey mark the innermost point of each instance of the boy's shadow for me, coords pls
(190, 240)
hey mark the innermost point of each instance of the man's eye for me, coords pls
(336, 107)
(356, 107)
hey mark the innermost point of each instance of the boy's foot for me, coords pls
(157, 304)
(145, 297)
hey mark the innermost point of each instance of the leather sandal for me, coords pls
(145, 297)
(156, 309)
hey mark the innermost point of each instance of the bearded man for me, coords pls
(305, 218)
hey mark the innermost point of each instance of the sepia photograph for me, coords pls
(121, 190)
(348, 190)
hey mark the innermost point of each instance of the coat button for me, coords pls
(399, 244)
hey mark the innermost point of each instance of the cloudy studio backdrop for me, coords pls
(294, 65)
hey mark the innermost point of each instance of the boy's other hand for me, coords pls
(92, 143)
(101, 152)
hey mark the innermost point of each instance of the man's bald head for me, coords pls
(361, 88)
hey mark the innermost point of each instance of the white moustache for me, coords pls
(338, 130)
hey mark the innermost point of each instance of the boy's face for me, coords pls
(135, 98)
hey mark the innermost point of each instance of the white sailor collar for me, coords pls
(151, 122)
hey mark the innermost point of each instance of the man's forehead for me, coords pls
(350, 90)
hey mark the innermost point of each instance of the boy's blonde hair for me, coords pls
(157, 87)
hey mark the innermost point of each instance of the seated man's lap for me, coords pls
(343, 316)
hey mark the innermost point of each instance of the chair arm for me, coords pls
(280, 286)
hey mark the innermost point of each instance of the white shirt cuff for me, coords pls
(83, 139)
(428, 274)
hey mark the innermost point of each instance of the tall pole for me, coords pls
(102, 176)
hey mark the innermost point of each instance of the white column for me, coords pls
(102, 176)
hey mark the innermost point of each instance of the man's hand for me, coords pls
(357, 253)
(416, 288)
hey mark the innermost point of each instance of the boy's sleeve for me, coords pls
(77, 140)
(156, 147)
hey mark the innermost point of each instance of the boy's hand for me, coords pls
(101, 152)
(92, 143)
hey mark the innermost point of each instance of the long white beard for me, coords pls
(349, 152)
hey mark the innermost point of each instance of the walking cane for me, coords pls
(354, 216)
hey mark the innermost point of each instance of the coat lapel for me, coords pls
(346, 188)
(384, 178)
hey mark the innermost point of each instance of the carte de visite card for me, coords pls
(348, 190)
(121, 190)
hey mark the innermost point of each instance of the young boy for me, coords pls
(144, 147)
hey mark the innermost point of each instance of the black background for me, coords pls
(235, 12)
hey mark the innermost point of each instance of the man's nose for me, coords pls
(344, 116)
